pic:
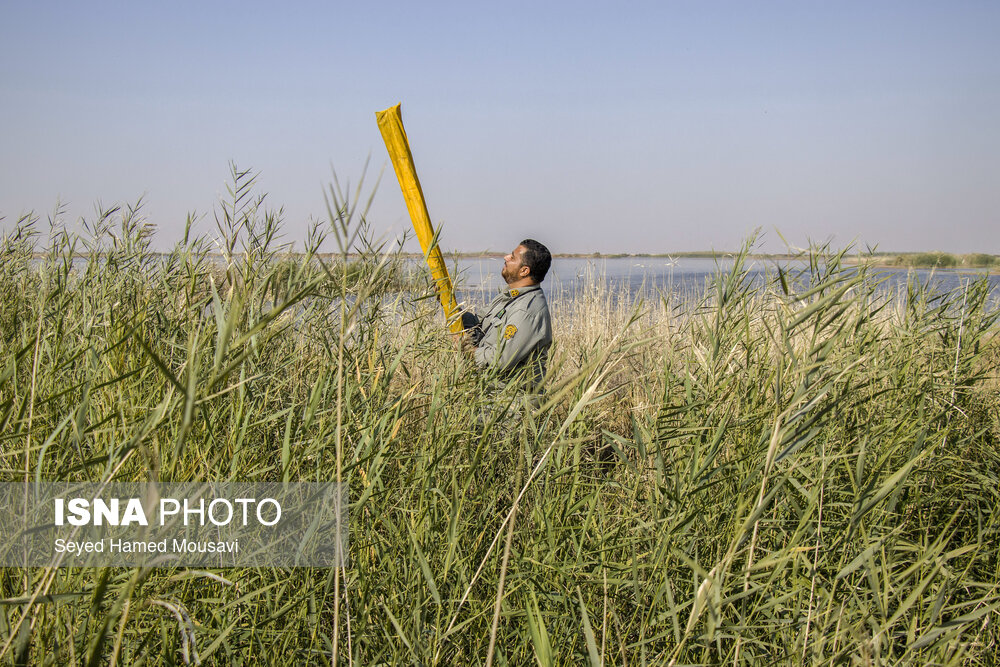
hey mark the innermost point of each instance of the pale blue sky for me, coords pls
(640, 127)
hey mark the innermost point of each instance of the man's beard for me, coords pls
(503, 274)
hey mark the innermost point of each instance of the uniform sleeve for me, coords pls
(510, 343)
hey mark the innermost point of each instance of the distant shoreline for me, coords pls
(902, 260)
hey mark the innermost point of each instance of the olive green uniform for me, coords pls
(517, 333)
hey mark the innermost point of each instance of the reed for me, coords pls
(800, 471)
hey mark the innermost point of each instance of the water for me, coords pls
(478, 279)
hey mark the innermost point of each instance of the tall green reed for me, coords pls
(802, 470)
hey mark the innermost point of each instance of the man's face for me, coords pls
(512, 265)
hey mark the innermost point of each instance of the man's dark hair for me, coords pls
(537, 258)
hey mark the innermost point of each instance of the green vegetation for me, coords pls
(943, 260)
(980, 259)
(805, 471)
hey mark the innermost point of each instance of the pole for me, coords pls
(390, 124)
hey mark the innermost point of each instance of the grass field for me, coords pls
(800, 472)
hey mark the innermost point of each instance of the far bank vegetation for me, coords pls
(944, 260)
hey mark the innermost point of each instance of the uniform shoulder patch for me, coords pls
(509, 332)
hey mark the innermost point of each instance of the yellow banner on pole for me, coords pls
(390, 124)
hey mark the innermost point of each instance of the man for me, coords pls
(515, 334)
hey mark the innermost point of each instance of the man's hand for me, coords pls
(462, 344)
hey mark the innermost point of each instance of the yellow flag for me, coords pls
(390, 124)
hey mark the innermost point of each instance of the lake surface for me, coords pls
(479, 279)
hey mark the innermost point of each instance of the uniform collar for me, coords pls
(517, 291)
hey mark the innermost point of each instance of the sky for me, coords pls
(593, 127)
